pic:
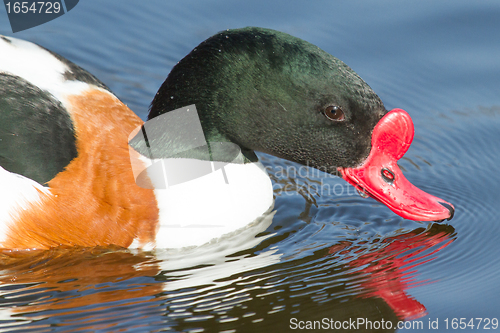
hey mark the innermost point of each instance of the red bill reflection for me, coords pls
(391, 269)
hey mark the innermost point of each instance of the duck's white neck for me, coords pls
(198, 209)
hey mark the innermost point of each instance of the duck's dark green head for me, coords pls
(268, 91)
(271, 92)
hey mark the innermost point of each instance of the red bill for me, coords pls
(381, 178)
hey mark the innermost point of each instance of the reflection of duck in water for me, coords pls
(66, 176)
(95, 287)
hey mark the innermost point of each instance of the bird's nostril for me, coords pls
(450, 209)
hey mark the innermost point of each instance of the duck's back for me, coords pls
(64, 158)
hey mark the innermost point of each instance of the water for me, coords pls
(328, 253)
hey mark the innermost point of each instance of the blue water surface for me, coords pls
(328, 254)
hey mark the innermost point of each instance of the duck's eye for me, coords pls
(334, 112)
(387, 175)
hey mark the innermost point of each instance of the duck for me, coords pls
(79, 168)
